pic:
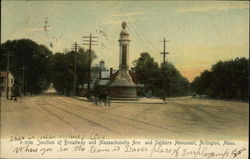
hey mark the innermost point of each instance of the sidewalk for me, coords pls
(139, 101)
(7, 102)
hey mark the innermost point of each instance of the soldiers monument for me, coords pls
(123, 87)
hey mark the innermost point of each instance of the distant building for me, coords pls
(6, 85)
(103, 77)
(99, 77)
(102, 65)
(107, 76)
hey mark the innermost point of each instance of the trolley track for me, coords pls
(81, 107)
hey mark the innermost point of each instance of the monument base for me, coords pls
(123, 86)
(123, 93)
(124, 99)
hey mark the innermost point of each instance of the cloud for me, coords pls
(128, 20)
(212, 8)
(112, 22)
(131, 14)
(118, 21)
(128, 17)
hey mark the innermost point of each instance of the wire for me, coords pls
(133, 30)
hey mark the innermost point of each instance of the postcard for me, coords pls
(124, 79)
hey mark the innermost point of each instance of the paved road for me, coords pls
(182, 118)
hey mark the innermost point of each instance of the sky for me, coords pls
(199, 33)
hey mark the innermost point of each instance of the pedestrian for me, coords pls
(105, 99)
(100, 95)
(108, 100)
(97, 99)
(14, 93)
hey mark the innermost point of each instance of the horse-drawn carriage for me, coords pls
(99, 96)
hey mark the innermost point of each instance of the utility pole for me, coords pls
(23, 69)
(164, 68)
(8, 68)
(90, 43)
(75, 46)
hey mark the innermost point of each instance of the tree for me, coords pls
(201, 85)
(62, 66)
(145, 68)
(148, 73)
(176, 84)
(227, 80)
(34, 58)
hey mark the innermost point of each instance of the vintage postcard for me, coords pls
(124, 79)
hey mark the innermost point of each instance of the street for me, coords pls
(182, 118)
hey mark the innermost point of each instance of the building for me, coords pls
(6, 83)
(99, 78)
(104, 75)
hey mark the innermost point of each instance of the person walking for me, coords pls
(108, 100)
(97, 99)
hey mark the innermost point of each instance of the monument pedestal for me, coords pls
(123, 87)
(123, 93)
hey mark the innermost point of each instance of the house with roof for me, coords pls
(6, 83)
(104, 77)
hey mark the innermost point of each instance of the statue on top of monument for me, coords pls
(124, 33)
(124, 24)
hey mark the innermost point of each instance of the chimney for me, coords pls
(102, 65)
(110, 71)
(100, 74)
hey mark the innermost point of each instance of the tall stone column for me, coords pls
(123, 86)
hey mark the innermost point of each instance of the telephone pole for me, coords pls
(75, 47)
(90, 43)
(164, 68)
(7, 70)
